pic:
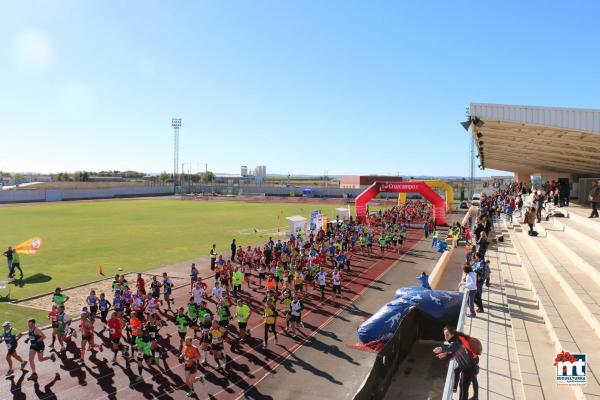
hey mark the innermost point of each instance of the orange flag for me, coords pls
(30, 246)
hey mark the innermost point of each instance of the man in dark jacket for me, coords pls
(466, 363)
(233, 249)
(9, 259)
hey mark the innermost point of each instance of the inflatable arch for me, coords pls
(434, 183)
(439, 205)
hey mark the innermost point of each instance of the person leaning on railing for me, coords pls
(467, 361)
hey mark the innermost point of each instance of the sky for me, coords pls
(347, 87)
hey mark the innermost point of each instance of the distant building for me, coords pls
(260, 174)
(363, 181)
(233, 179)
(244, 170)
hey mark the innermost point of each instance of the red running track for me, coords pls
(248, 363)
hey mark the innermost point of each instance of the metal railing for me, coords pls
(447, 394)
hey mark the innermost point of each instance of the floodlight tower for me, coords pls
(175, 124)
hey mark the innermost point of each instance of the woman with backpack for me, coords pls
(465, 350)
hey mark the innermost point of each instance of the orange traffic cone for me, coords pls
(100, 270)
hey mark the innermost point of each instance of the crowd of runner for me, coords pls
(132, 319)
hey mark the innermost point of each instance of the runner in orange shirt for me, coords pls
(190, 357)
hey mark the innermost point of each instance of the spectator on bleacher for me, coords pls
(482, 272)
(482, 244)
(530, 216)
(469, 282)
(565, 193)
(594, 197)
(538, 201)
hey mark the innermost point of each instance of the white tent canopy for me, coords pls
(297, 223)
(343, 213)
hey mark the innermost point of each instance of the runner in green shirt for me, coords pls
(143, 344)
(182, 321)
(243, 312)
(223, 314)
(238, 279)
(382, 243)
(278, 275)
(58, 298)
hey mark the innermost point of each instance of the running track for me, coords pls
(249, 363)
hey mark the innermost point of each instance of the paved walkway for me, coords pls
(499, 376)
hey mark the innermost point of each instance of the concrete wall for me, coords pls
(583, 189)
(35, 195)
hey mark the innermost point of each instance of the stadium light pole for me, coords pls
(175, 124)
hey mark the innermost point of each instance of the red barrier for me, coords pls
(439, 204)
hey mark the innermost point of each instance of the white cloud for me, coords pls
(33, 49)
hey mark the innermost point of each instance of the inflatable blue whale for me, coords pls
(439, 305)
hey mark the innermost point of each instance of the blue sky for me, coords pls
(346, 87)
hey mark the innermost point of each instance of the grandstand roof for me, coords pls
(536, 139)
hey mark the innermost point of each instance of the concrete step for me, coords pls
(583, 292)
(534, 347)
(583, 256)
(567, 329)
(579, 215)
(578, 231)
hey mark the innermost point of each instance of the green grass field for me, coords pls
(137, 235)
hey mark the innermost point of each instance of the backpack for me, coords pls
(473, 346)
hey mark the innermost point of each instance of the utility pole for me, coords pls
(472, 167)
(176, 125)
